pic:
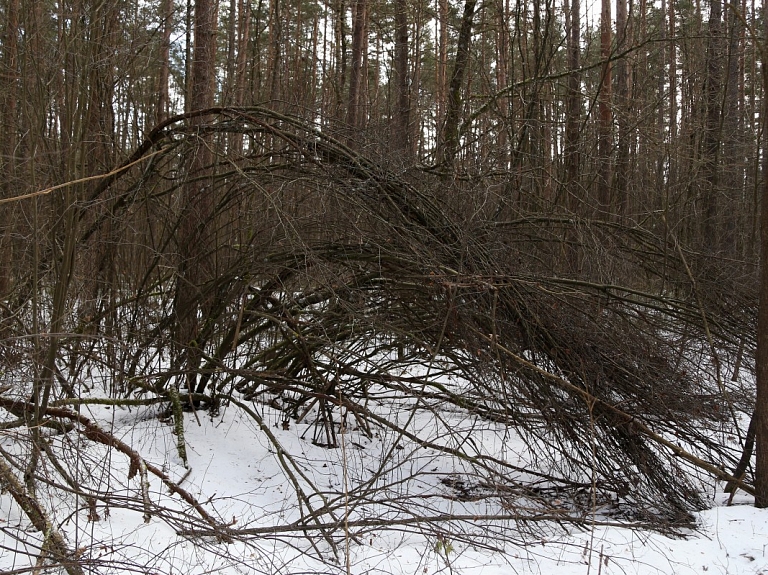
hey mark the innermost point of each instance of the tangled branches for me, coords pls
(352, 294)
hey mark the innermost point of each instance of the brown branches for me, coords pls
(389, 299)
(54, 543)
(138, 465)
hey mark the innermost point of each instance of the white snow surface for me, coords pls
(236, 474)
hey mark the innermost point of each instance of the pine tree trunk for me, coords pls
(605, 115)
(355, 107)
(166, 14)
(623, 105)
(573, 108)
(9, 127)
(761, 359)
(449, 141)
(196, 265)
(402, 121)
(712, 131)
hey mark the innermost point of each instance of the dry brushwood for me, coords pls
(343, 281)
(388, 268)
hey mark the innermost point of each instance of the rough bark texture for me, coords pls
(441, 67)
(761, 409)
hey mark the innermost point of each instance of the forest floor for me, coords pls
(236, 471)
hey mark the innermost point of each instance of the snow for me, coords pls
(236, 473)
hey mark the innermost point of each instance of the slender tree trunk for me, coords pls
(502, 78)
(340, 43)
(355, 108)
(573, 106)
(166, 14)
(672, 94)
(275, 50)
(241, 62)
(733, 150)
(228, 89)
(299, 91)
(196, 265)
(623, 106)
(402, 123)
(188, 56)
(605, 114)
(761, 359)
(658, 191)
(672, 72)
(417, 141)
(547, 112)
(9, 126)
(449, 139)
(442, 63)
(712, 132)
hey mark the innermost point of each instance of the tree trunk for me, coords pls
(671, 117)
(166, 14)
(712, 132)
(573, 107)
(502, 78)
(340, 44)
(402, 122)
(275, 51)
(449, 139)
(196, 265)
(761, 360)
(605, 115)
(355, 107)
(623, 105)
(733, 140)
(442, 63)
(9, 126)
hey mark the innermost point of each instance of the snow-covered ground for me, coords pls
(382, 484)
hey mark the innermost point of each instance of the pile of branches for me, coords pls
(595, 367)
(339, 275)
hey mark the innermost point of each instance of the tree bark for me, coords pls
(9, 126)
(733, 176)
(355, 108)
(402, 123)
(442, 63)
(449, 140)
(502, 76)
(605, 114)
(623, 109)
(275, 50)
(573, 106)
(712, 131)
(761, 359)
(166, 13)
(196, 263)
